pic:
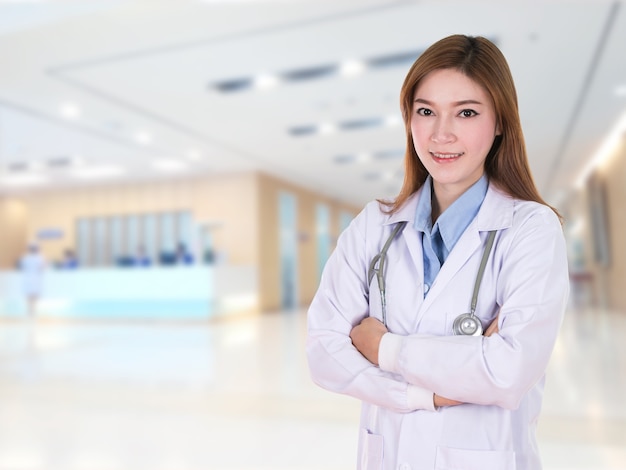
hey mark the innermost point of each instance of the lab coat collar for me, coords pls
(407, 211)
(496, 211)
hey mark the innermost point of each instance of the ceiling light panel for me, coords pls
(388, 154)
(358, 124)
(310, 73)
(17, 167)
(301, 131)
(394, 60)
(304, 74)
(60, 162)
(344, 159)
(230, 86)
(348, 125)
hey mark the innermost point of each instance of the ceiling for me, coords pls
(126, 90)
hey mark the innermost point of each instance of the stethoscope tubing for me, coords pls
(377, 268)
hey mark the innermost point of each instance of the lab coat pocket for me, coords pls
(371, 451)
(461, 459)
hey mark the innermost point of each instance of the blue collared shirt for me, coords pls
(438, 240)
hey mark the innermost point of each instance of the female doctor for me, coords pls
(388, 328)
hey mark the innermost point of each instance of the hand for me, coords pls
(366, 338)
(492, 328)
(442, 401)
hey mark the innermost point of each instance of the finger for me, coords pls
(493, 328)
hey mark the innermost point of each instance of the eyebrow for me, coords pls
(456, 103)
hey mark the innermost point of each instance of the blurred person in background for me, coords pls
(182, 254)
(70, 261)
(141, 259)
(468, 232)
(33, 265)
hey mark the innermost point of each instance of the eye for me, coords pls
(424, 112)
(466, 113)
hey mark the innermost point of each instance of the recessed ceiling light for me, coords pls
(169, 165)
(348, 68)
(23, 180)
(194, 155)
(97, 172)
(69, 110)
(352, 68)
(143, 138)
(363, 157)
(326, 128)
(392, 121)
(265, 81)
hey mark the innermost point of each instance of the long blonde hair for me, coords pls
(479, 59)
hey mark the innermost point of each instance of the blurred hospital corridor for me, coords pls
(236, 394)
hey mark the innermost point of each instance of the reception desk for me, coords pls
(178, 292)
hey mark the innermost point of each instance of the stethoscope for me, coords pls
(465, 324)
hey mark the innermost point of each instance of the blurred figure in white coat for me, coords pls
(33, 266)
(439, 310)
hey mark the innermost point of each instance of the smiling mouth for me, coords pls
(446, 156)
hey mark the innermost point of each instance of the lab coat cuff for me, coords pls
(420, 399)
(389, 352)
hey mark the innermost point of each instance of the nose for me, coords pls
(443, 131)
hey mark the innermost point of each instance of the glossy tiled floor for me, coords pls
(236, 395)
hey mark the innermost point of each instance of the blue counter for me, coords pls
(181, 292)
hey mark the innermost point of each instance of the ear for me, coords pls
(498, 128)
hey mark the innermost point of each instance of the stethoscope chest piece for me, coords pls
(467, 324)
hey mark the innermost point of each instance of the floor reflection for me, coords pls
(236, 395)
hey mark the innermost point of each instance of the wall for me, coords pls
(227, 202)
(614, 176)
(269, 190)
(13, 231)
(605, 285)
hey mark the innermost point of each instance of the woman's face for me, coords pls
(453, 125)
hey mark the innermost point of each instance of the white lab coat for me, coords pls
(500, 378)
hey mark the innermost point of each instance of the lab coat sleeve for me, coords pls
(532, 289)
(341, 303)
